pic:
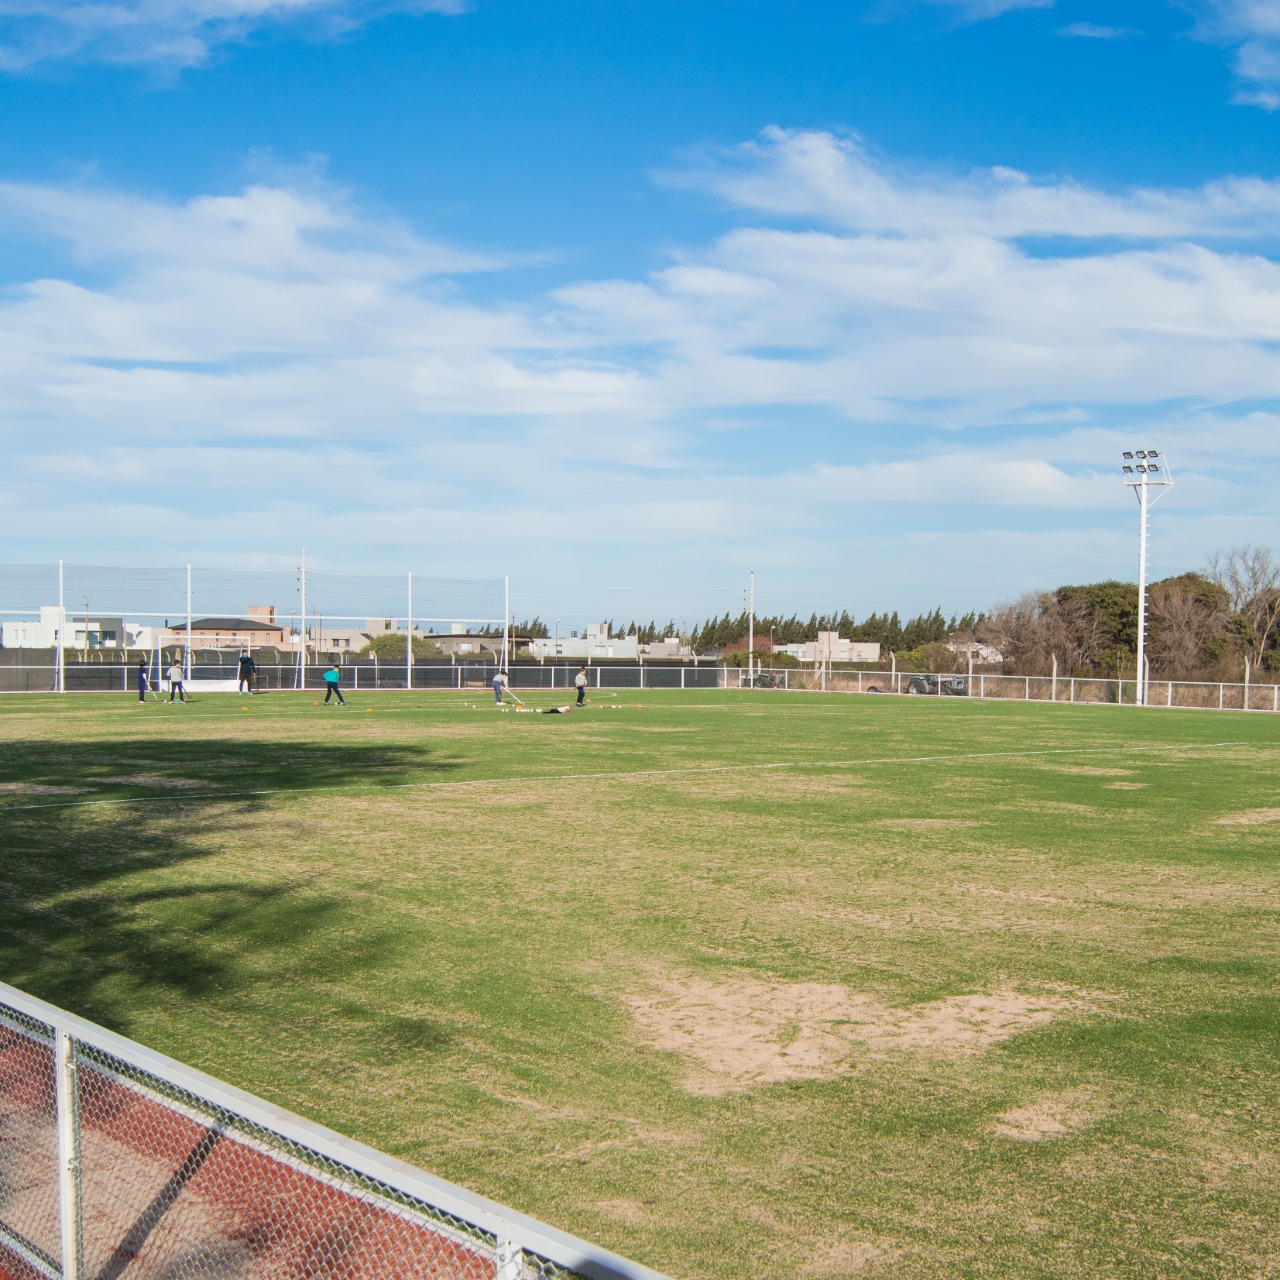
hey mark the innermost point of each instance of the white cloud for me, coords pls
(302, 366)
(1093, 31)
(822, 176)
(1253, 28)
(173, 33)
(982, 10)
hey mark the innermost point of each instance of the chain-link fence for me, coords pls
(1202, 695)
(358, 673)
(116, 1163)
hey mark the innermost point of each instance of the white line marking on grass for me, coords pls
(604, 775)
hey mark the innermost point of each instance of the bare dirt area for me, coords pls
(1250, 818)
(1050, 1116)
(738, 1034)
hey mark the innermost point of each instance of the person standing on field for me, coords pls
(246, 673)
(580, 683)
(331, 678)
(499, 685)
(143, 682)
(175, 682)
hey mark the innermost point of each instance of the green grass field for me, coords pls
(738, 985)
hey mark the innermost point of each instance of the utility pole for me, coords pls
(751, 632)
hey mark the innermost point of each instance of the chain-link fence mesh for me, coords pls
(161, 593)
(171, 1184)
(29, 1221)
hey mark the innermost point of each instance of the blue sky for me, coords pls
(626, 299)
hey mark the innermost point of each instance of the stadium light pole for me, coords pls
(1143, 470)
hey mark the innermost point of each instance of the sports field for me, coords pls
(736, 984)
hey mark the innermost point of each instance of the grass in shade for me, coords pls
(735, 984)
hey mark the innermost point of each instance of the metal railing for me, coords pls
(360, 674)
(1199, 694)
(117, 1162)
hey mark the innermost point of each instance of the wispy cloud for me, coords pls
(941, 359)
(170, 33)
(1253, 28)
(982, 10)
(1093, 31)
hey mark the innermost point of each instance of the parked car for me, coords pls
(951, 686)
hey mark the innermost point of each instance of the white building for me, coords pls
(92, 632)
(594, 644)
(977, 651)
(830, 647)
(670, 647)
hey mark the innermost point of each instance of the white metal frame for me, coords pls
(515, 1232)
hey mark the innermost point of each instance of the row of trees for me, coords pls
(1201, 625)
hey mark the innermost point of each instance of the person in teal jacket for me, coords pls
(331, 678)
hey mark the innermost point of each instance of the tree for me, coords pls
(1189, 624)
(390, 648)
(1251, 577)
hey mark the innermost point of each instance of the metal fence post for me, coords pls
(510, 1261)
(68, 1154)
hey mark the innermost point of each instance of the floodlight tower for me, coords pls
(1144, 471)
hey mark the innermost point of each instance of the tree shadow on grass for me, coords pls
(91, 920)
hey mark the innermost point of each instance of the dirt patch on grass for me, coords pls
(841, 1259)
(632, 1212)
(924, 824)
(1051, 1116)
(741, 1033)
(1250, 818)
(1123, 786)
(1088, 770)
(37, 789)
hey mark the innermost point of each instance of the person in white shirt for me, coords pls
(580, 683)
(175, 682)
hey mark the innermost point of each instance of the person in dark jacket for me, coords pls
(144, 682)
(247, 670)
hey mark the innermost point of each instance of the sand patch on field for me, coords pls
(37, 789)
(1051, 1116)
(1250, 818)
(632, 1212)
(1123, 786)
(1088, 770)
(841, 1259)
(924, 824)
(740, 1033)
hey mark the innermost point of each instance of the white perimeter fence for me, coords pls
(104, 610)
(363, 673)
(118, 1163)
(1011, 688)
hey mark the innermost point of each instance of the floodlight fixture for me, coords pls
(1149, 475)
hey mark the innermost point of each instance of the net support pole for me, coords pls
(60, 666)
(510, 1261)
(68, 1155)
(408, 639)
(506, 615)
(187, 664)
(302, 625)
